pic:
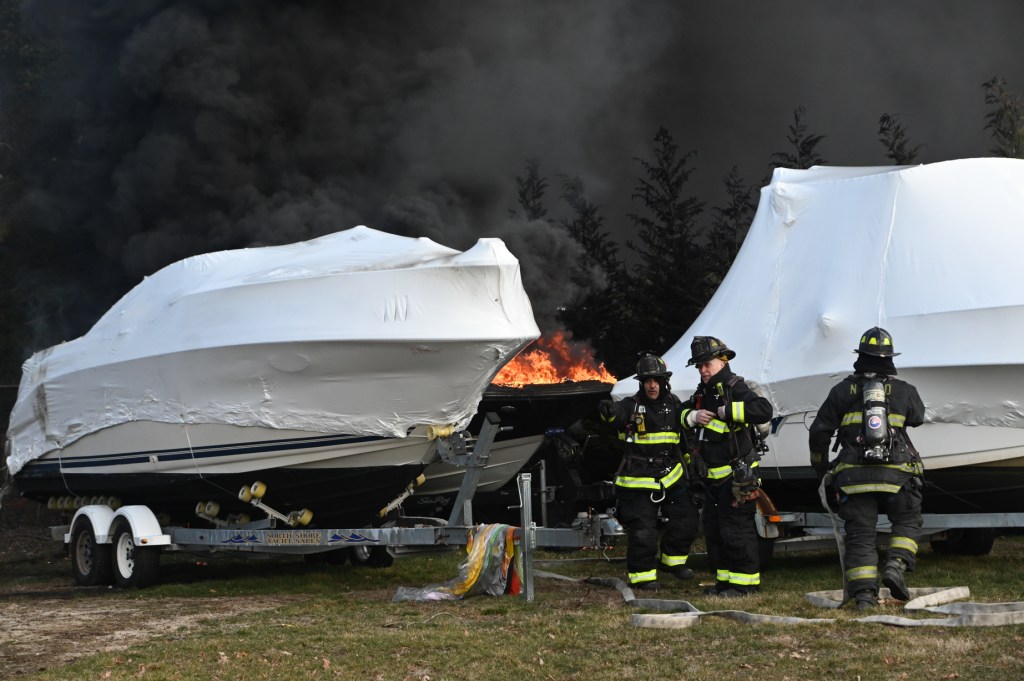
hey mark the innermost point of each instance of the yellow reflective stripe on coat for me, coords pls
(911, 467)
(862, 572)
(666, 438)
(897, 420)
(719, 472)
(744, 579)
(903, 543)
(717, 426)
(641, 577)
(722, 575)
(871, 487)
(673, 561)
(671, 478)
(738, 412)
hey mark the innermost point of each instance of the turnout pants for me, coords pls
(638, 514)
(860, 515)
(732, 538)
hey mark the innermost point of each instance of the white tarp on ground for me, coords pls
(932, 253)
(355, 332)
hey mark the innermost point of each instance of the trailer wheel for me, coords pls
(976, 541)
(371, 556)
(90, 562)
(134, 566)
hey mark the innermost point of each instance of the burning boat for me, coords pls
(928, 252)
(317, 368)
(545, 389)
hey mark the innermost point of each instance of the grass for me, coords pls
(339, 622)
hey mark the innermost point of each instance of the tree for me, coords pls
(893, 135)
(530, 190)
(670, 284)
(729, 225)
(601, 313)
(1006, 120)
(805, 146)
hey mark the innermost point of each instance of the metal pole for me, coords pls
(528, 540)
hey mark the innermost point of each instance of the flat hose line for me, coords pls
(683, 614)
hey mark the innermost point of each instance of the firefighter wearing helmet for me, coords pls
(877, 469)
(724, 411)
(651, 477)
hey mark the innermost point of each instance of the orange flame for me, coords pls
(553, 359)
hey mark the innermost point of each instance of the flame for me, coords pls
(553, 359)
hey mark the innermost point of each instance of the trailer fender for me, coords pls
(146, 530)
(100, 517)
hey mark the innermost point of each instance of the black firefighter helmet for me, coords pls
(651, 366)
(876, 342)
(705, 348)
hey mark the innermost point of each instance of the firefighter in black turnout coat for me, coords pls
(722, 410)
(877, 469)
(651, 477)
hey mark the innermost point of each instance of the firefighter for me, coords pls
(651, 477)
(722, 411)
(877, 469)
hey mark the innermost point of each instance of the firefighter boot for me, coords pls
(892, 577)
(679, 572)
(647, 586)
(865, 599)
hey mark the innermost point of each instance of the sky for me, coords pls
(171, 128)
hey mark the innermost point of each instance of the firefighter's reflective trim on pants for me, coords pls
(862, 572)
(671, 478)
(722, 575)
(855, 417)
(673, 561)
(743, 579)
(738, 412)
(642, 577)
(903, 543)
(663, 438)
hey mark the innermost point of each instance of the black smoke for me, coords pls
(170, 128)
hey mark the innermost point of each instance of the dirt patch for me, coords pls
(48, 621)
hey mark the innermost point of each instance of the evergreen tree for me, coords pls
(893, 135)
(530, 191)
(601, 313)
(670, 280)
(805, 146)
(729, 225)
(1006, 120)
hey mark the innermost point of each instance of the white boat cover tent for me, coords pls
(355, 332)
(932, 253)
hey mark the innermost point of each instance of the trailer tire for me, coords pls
(975, 541)
(90, 561)
(134, 566)
(371, 556)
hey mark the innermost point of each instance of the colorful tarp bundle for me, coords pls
(492, 567)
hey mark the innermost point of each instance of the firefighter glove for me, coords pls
(607, 409)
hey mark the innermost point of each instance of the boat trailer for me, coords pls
(127, 541)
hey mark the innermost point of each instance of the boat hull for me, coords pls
(968, 469)
(345, 480)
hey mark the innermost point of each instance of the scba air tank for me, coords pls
(876, 421)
